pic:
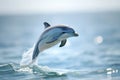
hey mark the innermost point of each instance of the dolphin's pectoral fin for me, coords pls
(63, 42)
(46, 24)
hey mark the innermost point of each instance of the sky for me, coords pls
(57, 6)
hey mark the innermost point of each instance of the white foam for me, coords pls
(27, 58)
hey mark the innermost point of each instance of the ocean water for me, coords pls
(94, 55)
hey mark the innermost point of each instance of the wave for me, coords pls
(45, 71)
(6, 69)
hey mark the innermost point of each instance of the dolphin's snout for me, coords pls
(76, 34)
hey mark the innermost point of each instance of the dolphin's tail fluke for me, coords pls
(35, 52)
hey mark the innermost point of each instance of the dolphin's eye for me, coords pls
(63, 32)
(72, 31)
(67, 29)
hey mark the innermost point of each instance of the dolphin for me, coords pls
(51, 36)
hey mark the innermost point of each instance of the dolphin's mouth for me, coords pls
(73, 34)
(76, 34)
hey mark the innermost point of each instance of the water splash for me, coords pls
(37, 72)
(27, 58)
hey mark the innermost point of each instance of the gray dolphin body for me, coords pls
(52, 36)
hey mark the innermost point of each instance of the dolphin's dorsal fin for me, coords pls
(63, 42)
(46, 24)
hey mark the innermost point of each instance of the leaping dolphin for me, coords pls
(51, 36)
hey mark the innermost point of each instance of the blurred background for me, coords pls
(96, 21)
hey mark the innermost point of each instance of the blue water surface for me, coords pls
(94, 55)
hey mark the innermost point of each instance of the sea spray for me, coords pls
(27, 58)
